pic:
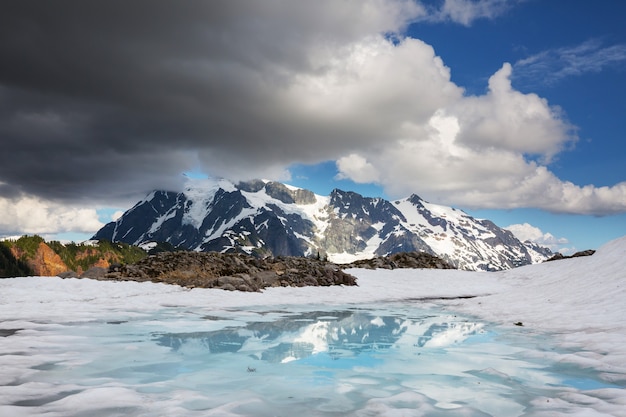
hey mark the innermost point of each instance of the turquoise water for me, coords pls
(307, 360)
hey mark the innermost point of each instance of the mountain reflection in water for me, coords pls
(339, 334)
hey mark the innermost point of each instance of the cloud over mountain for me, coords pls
(526, 232)
(105, 101)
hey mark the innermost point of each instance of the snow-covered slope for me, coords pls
(571, 313)
(270, 218)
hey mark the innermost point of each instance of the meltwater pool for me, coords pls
(387, 359)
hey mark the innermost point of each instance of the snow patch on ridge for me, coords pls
(200, 193)
(315, 212)
(162, 219)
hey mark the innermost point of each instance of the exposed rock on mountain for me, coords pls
(46, 262)
(37, 257)
(265, 218)
(233, 271)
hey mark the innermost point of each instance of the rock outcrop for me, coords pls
(558, 256)
(47, 262)
(402, 260)
(231, 271)
(43, 262)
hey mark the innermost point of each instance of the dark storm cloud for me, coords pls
(121, 96)
(76, 96)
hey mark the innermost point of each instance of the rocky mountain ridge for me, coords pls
(266, 218)
(232, 271)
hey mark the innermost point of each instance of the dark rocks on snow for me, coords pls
(402, 260)
(243, 272)
(558, 256)
(94, 272)
(230, 271)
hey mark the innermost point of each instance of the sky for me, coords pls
(510, 110)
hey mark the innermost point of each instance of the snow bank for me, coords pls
(581, 300)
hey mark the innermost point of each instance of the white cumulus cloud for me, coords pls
(356, 168)
(32, 215)
(488, 151)
(529, 232)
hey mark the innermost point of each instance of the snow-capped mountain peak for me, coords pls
(270, 218)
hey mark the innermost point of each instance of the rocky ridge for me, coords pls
(243, 272)
(230, 271)
(558, 256)
(402, 260)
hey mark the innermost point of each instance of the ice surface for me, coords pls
(398, 344)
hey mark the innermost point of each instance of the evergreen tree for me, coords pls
(9, 265)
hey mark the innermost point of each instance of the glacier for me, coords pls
(539, 340)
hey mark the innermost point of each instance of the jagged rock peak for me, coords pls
(279, 191)
(251, 186)
(416, 200)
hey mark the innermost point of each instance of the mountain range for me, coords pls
(267, 218)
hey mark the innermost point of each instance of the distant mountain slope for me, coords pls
(271, 218)
(32, 255)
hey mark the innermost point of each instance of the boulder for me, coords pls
(95, 272)
(68, 274)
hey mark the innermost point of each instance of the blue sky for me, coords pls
(511, 110)
(580, 49)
